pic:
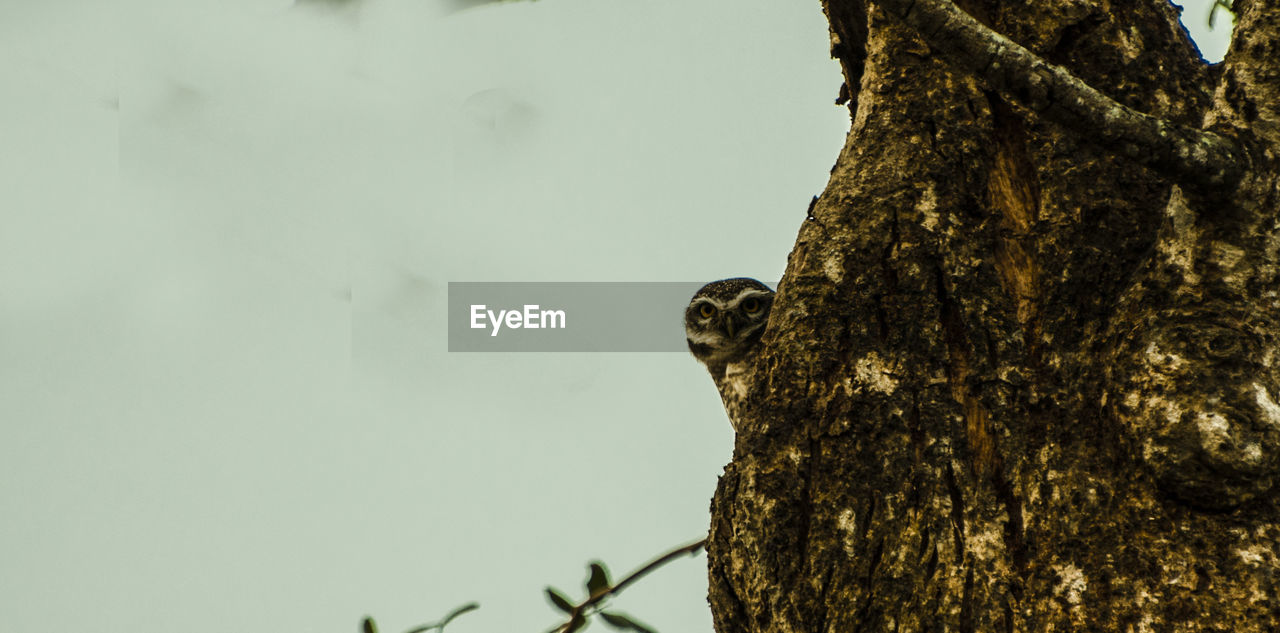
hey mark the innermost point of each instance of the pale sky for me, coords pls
(226, 403)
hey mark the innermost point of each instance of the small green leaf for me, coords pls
(624, 623)
(616, 621)
(559, 600)
(598, 581)
(576, 623)
(368, 626)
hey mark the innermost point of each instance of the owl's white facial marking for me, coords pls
(751, 294)
(706, 338)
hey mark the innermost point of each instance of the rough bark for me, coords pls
(1022, 371)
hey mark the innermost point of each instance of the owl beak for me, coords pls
(730, 326)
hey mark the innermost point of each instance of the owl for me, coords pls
(723, 325)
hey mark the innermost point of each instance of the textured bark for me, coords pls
(1017, 377)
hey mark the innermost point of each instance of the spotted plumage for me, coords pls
(723, 325)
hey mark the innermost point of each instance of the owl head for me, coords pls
(725, 320)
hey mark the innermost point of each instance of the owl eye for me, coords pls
(751, 305)
(706, 310)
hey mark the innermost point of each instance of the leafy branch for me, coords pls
(600, 590)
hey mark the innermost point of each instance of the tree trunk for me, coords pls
(1023, 368)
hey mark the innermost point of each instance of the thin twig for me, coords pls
(689, 549)
(470, 606)
(616, 588)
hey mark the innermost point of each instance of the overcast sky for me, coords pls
(226, 403)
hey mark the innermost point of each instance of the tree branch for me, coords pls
(1196, 157)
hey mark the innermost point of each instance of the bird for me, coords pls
(723, 325)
